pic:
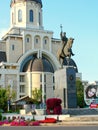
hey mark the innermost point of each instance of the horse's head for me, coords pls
(71, 39)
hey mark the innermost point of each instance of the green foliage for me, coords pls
(37, 95)
(33, 119)
(5, 95)
(3, 99)
(0, 116)
(10, 93)
(4, 118)
(10, 111)
(80, 94)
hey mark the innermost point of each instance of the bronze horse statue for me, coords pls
(67, 49)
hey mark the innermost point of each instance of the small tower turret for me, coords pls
(26, 14)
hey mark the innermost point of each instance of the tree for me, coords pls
(11, 94)
(80, 93)
(37, 95)
(3, 99)
(5, 95)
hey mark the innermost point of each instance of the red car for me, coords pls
(94, 104)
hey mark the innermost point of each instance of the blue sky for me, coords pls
(80, 21)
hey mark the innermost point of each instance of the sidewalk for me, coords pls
(76, 121)
(63, 120)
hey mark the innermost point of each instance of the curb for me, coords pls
(71, 123)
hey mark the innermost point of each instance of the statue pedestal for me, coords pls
(65, 86)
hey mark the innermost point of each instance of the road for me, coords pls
(51, 128)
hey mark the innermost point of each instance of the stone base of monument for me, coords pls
(65, 86)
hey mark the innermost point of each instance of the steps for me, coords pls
(76, 121)
(81, 111)
(81, 119)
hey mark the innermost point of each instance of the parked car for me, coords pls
(94, 104)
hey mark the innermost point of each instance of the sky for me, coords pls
(79, 19)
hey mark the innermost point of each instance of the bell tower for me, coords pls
(26, 14)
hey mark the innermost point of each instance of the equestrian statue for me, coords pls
(66, 48)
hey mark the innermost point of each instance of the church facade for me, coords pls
(28, 53)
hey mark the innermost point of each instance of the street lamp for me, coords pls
(8, 103)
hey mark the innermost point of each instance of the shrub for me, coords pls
(1, 123)
(34, 123)
(0, 116)
(4, 118)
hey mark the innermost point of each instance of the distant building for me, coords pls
(28, 53)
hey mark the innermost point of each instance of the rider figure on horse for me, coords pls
(64, 41)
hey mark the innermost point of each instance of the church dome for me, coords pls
(18, 1)
(41, 65)
(37, 65)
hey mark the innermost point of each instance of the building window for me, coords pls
(53, 79)
(41, 87)
(40, 77)
(44, 78)
(21, 96)
(53, 87)
(45, 41)
(45, 88)
(13, 47)
(22, 89)
(19, 15)
(36, 40)
(31, 15)
(39, 19)
(27, 40)
(22, 78)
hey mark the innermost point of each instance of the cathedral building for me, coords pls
(28, 53)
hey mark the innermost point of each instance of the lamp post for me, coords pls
(8, 103)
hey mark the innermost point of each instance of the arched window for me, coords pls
(28, 38)
(36, 40)
(31, 15)
(45, 41)
(19, 15)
